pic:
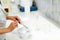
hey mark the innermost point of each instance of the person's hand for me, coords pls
(13, 25)
(14, 18)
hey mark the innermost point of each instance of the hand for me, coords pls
(14, 18)
(13, 25)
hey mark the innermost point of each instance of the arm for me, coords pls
(4, 30)
(11, 27)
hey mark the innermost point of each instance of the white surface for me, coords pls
(40, 27)
(50, 8)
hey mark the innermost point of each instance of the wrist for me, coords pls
(9, 29)
(8, 17)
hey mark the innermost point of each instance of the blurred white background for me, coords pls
(42, 28)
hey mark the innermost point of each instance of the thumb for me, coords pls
(16, 21)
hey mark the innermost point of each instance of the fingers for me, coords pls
(17, 18)
(14, 18)
(15, 23)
